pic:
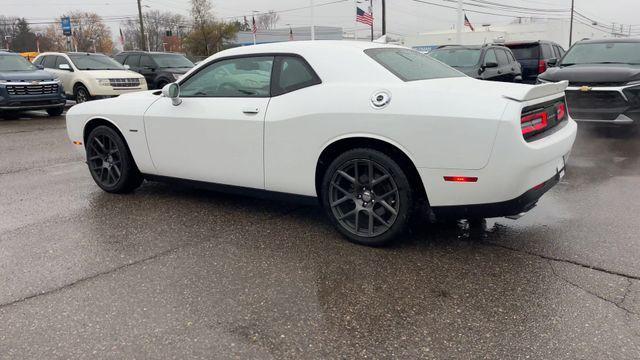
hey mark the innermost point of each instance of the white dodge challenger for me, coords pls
(373, 131)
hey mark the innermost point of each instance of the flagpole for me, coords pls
(355, 23)
(313, 22)
(460, 23)
(371, 11)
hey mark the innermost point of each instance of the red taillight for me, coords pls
(465, 179)
(561, 111)
(533, 122)
(542, 66)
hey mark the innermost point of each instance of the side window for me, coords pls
(561, 50)
(239, 77)
(292, 73)
(490, 56)
(132, 60)
(146, 61)
(502, 57)
(120, 58)
(60, 60)
(546, 51)
(49, 62)
(38, 61)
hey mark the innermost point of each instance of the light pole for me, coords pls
(313, 22)
(571, 24)
(460, 23)
(142, 42)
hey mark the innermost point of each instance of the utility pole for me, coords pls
(384, 18)
(142, 42)
(571, 25)
(313, 22)
(460, 23)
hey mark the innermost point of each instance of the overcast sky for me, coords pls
(405, 17)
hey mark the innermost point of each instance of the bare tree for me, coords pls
(90, 32)
(8, 30)
(156, 24)
(267, 21)
(202, 19)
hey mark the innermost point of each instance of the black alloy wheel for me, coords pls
(367, 196)
(110, 161)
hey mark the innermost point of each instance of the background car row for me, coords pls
(54, 77)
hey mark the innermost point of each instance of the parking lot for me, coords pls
(176, 272)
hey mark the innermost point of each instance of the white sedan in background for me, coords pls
(374, 131)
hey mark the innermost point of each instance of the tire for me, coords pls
(110, 162)
(55, 111)
(10, 115)
(366, 212)
(81, 94)
(161, 84)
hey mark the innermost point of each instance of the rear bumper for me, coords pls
(513, 207)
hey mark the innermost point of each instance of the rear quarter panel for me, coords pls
(430, 121)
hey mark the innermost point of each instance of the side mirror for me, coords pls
(127, 67)
(40, 67)
(64, 67)
(552, 62)
(172, 91)
(491, 64)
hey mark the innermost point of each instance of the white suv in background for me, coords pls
(88, 76)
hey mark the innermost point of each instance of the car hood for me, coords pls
(108, 74)
(593, 73)
(32, 75)
(176, 70)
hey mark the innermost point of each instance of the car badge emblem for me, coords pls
(585, 88)
(35, 82)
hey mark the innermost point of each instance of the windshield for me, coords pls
(172, 61)
(457, 57)
(603, 53)
(94, 62)
(410, 65)
(15, 63)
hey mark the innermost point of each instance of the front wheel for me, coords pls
(81, 94)
(110, 162)
(367, 196)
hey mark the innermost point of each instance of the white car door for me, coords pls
(216, 133)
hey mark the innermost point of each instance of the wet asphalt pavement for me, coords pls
(175, 272)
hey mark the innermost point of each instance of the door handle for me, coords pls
(251, 110)
(499, 72)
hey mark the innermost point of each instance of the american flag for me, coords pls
(468, 23)
(364, 17)
(254, 28)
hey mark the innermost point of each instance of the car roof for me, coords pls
(307, 45)
(529, 42)
(610, 41)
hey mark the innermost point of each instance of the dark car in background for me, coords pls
(485, 62)
(24, 86)
(159, 68)
(604, 80)
(535, 57)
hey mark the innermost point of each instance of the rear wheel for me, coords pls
(55, 111)
(110, 162)
(367, 196)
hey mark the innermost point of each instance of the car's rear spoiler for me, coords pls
(538, 91)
